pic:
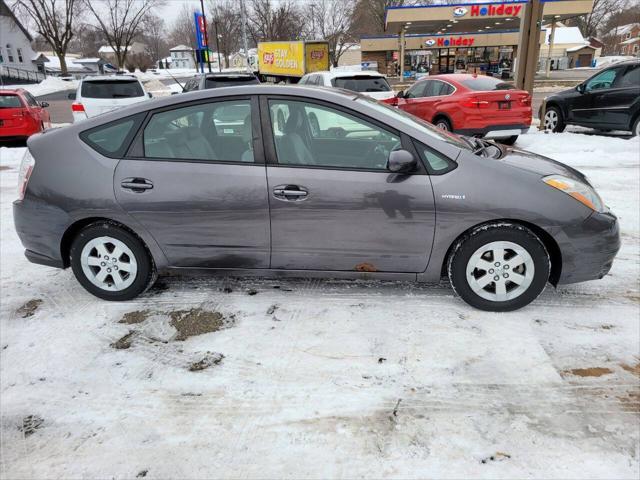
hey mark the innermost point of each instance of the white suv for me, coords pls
(371, 84)
(100, 94)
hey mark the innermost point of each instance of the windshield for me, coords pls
(10, 101)
(416, 122)
(217, 82)
(362, 83)
(486, 84)
(111, 89)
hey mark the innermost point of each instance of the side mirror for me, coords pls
(149, 94)
(401, 161)
(72, 96)
(580, 87)
(400, 94)
(44, 104)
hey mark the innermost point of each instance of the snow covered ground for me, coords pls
(325, 378)
(47, 86)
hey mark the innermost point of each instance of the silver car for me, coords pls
(300, 181)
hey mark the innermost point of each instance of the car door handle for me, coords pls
(136, 184)
(290, 192)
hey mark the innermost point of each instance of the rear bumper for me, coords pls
(588, 249)
(23, 131)
(494, 131)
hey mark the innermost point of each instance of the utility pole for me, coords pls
(206, 35)
(215, 27)
(313, 21)
(529, 45)
(243, 13)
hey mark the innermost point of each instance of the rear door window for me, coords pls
(631, 78)
(216, 131)
(436, 88)
(113, 138)
(10, 101)
(111, 89)
(362, 83)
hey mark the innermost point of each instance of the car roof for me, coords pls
(110, 77)
(348, 73)
(229, 74)
(11, 91)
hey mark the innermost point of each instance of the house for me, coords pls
(624, 40)
(15, 45)
(182, 56)
(107, 52)
(569, 49)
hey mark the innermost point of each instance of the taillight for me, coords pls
(525, 100)
(474, 102)
(26, 168)
(77, 107)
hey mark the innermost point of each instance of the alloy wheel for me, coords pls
(108, 263)
(550, 120)
(500, 271)
(442, 125)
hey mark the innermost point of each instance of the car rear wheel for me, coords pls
(499, 267)
(636, 128)
(111, 263)
(553, 120)
(443, 124)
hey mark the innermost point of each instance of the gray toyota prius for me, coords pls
(302, 181)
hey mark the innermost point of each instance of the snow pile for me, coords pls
(602, 62)
(48, 85)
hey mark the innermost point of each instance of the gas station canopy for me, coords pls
(475, 17)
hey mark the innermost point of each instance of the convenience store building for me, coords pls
(465, 37)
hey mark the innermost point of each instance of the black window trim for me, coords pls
(419, 148)
(269, 143)
(136, 147)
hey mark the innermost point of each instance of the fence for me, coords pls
(21, 75)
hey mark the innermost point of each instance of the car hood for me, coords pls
(539, 164)
(562, 93)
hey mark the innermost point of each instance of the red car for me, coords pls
(474, 105)
(21, 115)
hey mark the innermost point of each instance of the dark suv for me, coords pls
(218, 80)
(609, 100)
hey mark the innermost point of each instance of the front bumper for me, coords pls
(588, 249)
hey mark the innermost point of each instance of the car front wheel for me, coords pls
(499, 267)
(553, 120)
(111, 263)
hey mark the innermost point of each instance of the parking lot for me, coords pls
(225, 377)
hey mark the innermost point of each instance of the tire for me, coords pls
(468, 256)
(553, 120)
(92, 253)
(635, 130)
(508, 141)
(443, 124)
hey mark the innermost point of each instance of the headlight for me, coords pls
(584, 193)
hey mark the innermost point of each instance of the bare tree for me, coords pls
(154, 36)
(224, 20)
(267, 21)
(371, 14)
(333, 21)
(55, 21)
(602, 10)
(121, 22)
(183, 31)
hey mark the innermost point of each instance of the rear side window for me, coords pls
(111, 89)
(10, 101)
(631, 78)
(361, 83)
(230, 81)
(112, 139)
(216, 131)
(486, 84)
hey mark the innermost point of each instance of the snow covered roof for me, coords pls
(630, 41)
(580, 47)
(565, 35)
(108, 49)
(180, 48)
(624, 29)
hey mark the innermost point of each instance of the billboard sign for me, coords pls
(200, 30)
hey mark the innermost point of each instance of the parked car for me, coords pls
(174, 184)
(371, 84)
(219, 79)
(469, 104)
(100, 94)
(21, 115)
(609, 100)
